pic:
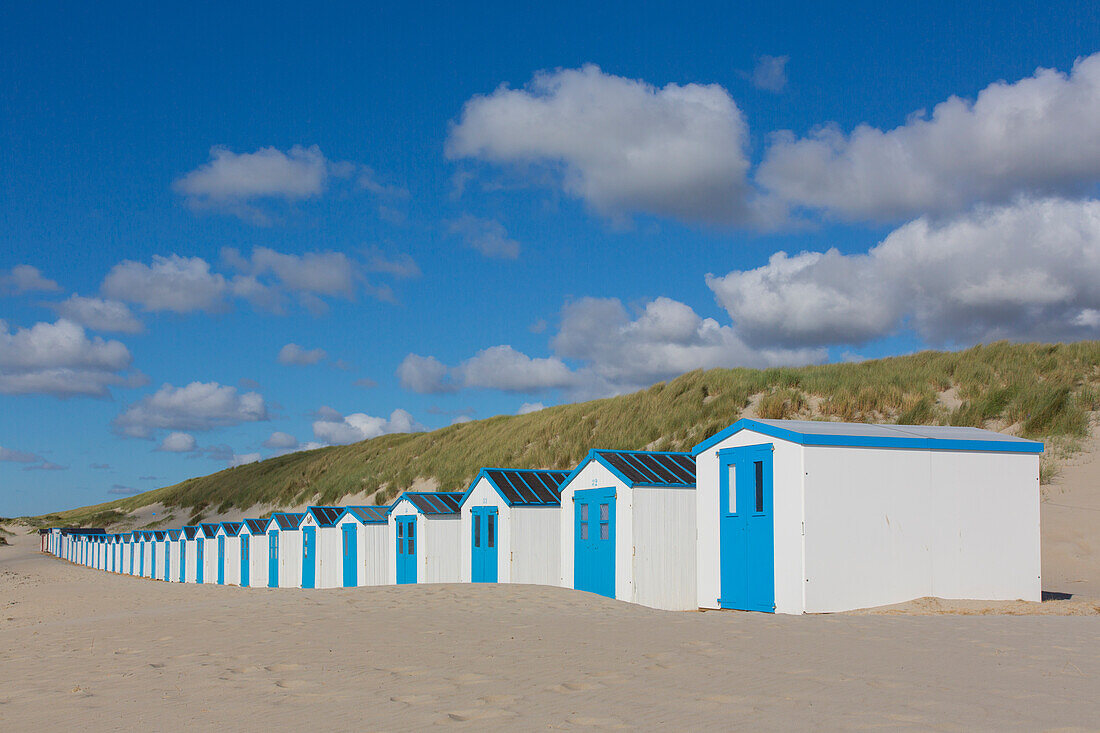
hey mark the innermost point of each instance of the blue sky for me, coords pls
(228, 233)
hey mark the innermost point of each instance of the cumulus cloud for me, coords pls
(172, 283)
(308, 276)
(242, 459)
(45, 466)
(1029, 270)
(197, 406)
(528, 407)
(334, 429)
(120, 490)
(294, 354)
(99, 314)
(178, 442)
(615, 353)
(621, 145)
(18, 456)
(487, 236)
(281, 441)
(1037, 136)
(399, 265)
(59, 359)
(23, 279)
(770, 73)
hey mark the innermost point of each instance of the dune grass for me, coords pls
(1041, 391)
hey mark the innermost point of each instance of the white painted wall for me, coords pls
(787, 515)
(438, 540)
(290, 558)
(232, 559)
(330, 552)
(257, 558)
(191, 561)
(376, 561)
(535, 537)
(664, 548)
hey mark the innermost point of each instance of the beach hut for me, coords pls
(229, 553)
(367, 560)
(806, 516)
(425, 530)
(511, 525)
(253, 543)
(323, 547)
(149, 550)
(628, 528)
(127, 553)
(206, 554)
(287, 548)
(173, 567)
(189, 554)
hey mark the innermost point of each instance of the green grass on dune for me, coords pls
(1045, 391)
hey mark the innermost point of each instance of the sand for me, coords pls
(109, 651)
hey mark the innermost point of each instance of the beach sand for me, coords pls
(105, 651)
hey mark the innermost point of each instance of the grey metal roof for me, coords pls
(643, 468)
(370, 514)
(435, 502)
(326, 516)
(521, 487)
(209, 529)
(289, 520)
(257, 526)
(232, 528)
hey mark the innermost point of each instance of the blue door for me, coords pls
(594, 541)
(221, 560)
(406, 549)
(309, 557)
(273, 559)
(167, 558)
(132, 546)
(141, 558)
(483, 556)
(153, 560)
(351, 551)
(745, 510)
(199, 561)
(183, 560)
(246, 566)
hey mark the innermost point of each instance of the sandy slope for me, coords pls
(109, 650)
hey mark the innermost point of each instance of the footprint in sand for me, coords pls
(157, 665)
(414, 699)
(598, 722)
(282, 667)
(463, 716)
(576, 686)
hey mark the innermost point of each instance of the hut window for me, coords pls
(584, 530)
(759, 486)
(477, 531)
(731, 483)
(492, 529)
(584, 512)
(400, 529)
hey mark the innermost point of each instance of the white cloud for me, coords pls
(197, 406)
(487, 236)
(99, 314)
(296, 355)
(665, 340)
(178, 443)
(308, 276)
(240, 460)
(770, 73)
(615, 353)
(25, 278)
(120, 490)
(281, 441)
(1030, 270)
(424, 374)
(334, 429)
(59, 359)
(504, 368)
(528, 407)
(231, 181)
(621, 145)
(460, 419)
(45, 466)
(1037, 136)
(173, 283)
(399, 265)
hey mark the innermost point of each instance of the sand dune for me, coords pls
(113, 651)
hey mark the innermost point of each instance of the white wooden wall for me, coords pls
(257, 558)
(330, 551)
(191, 562)
(232, 561)
(534, 539)
(664, 548)
(376, 561)
(290, 558)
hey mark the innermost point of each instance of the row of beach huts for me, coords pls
(767, 515)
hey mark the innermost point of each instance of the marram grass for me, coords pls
(1041, 391)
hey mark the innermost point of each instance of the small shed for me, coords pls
(323, 547)
(511, 522)
(147, 553)
(286, 530)
(206, 554)
(628, 527)
(176, 567)
(229, 553)
(805, 516)
(253, 544)
(370, 553)
(127, 567)
(426, 530)
(189, 553)
(161, 555)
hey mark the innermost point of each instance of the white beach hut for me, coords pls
(253, 553)
(229, 553)
(323, 547)
(426, 532)
(189, 553)
(628, 528)
(206, 554)
(803, 517)
(367, 560)
(289, 547)
(175, 565)
(511, 527)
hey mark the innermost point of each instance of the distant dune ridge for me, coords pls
(1043, 391)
